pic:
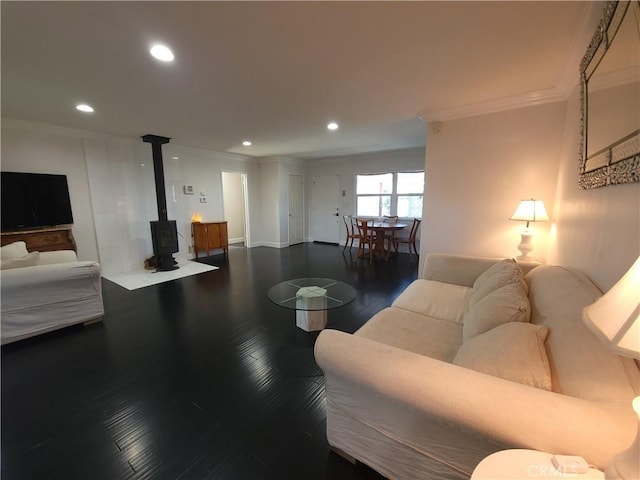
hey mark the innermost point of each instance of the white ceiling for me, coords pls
(277, 72)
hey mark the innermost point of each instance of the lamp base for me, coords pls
(525, 245)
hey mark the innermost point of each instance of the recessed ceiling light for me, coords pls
(174, 158)
(332, 126)
(246, 143)
(83, 107)
(162, 53)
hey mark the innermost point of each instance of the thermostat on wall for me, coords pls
(188, 189)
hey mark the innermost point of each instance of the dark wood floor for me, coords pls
(197, 378)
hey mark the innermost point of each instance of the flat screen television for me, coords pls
(34, 200)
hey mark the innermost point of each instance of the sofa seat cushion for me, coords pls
(424, 335)
(581, 366)
(58, 256)
(444, 301)
(503, 305)
(513, 351)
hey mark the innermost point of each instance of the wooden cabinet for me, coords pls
(43, 240)
(209, 236)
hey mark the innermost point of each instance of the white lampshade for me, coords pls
(615, 317)
(530, 211)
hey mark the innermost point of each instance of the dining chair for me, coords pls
(389, 236)
(352, 231)
(367, 236)
(411, 239)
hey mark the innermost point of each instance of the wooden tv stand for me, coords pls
(43, 239)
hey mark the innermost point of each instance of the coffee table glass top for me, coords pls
(311, 294)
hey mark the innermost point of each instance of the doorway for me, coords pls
(325, 209)
(296, 209)
(235, 207)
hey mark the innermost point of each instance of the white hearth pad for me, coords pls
(144, 278)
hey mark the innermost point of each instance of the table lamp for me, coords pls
(529, 211)
(615, 319)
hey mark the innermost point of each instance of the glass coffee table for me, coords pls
(311, 298)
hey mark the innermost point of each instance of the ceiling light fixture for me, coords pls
(332, 126)
(162, 53)
(246, 143)
(83, 107)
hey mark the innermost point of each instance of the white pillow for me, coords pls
(13, 250)
(30, 260)
(506, 304)
(498, 275)
(513, 351)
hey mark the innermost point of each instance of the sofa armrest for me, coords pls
(460, 269)
(414, 386)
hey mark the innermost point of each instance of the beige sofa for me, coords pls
(45, 291)
(453, 372)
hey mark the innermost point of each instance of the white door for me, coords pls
(296, 207)
(325, 209)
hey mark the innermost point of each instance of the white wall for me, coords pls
(28, 148)
(112, 187)
(596, 231)
(122, 189)
(270, 204)
(274, 177)
(348, 167)
(477, 171)
(203, 169)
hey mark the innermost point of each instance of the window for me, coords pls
(410, 189)
(390, 194)
(374, 194)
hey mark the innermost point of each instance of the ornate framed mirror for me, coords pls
(610, 99)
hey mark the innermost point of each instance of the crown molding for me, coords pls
(494, 105)
(282, 160)
(218, 155)
(566, 84)
(590, 19)
(35, 127)
(64, 131)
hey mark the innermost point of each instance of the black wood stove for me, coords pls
(164, 233)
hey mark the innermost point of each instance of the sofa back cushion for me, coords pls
(29, 260)
(444, 301)
(498, 275)
(514, 351)
(13, 250)
(581, 366)
(503, 305)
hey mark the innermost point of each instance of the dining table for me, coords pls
(386, 230)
